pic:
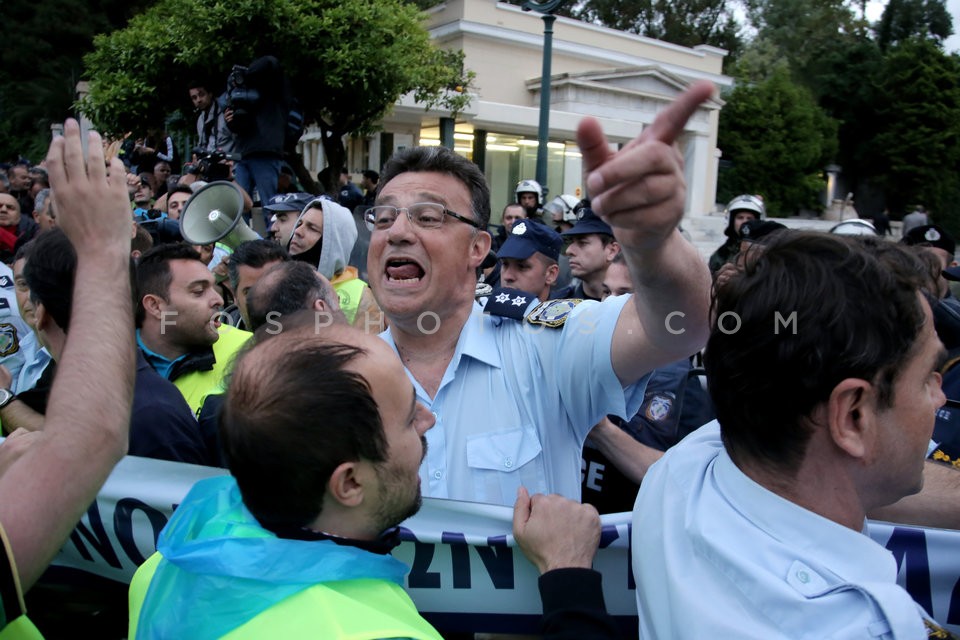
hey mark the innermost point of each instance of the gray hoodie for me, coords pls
(339, 236)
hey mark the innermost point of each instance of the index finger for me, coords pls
(669, 123)
(521, 509)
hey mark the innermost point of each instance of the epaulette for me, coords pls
(553, 313)
(508, 303)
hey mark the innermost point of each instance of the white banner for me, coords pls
(465, 572)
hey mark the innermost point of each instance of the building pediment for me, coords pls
(632, 94)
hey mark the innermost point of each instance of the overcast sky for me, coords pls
(875, 10)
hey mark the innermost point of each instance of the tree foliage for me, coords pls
(348, 61)
(916, 149)
(40, 64)
(775, 142)
(684, 22)
(804, 31)
(906, 19)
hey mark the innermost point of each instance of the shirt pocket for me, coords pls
(503, 461)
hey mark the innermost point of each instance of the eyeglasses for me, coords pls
(426, 215)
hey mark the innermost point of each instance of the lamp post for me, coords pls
(547, 9)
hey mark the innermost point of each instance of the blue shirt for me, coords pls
(716, 555)
(161, 364)
(517, 401)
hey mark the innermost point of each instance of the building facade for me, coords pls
(623, 80)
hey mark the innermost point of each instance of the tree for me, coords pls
(804, 30)
(348, 61)
(775, 142)
(40, 65)
(905, 19)
(916, 149)
(684, 22)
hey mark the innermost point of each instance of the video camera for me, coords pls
(162, 229)
(211, 165)
(239, 96)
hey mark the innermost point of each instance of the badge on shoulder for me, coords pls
(553, 313)
(508, 303)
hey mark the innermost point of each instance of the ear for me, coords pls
(153, 305)
(611, 250)
(851, 416)
(44, 320)
(553, 272)
(346, 484)
(479, 248)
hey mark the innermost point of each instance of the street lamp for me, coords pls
(547, 9)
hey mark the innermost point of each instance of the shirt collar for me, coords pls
(847, 553)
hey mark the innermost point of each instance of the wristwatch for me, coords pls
(6, 397)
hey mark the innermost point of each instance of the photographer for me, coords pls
(256, 113)
(212, 130)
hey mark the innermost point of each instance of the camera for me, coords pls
(211, 165)
(239, 96)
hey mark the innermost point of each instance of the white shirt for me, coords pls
(716, 555)
(517, 401)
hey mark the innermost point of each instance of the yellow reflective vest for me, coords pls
(344, 609)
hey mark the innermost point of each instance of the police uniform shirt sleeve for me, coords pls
(581, 357)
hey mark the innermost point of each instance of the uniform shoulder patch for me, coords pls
(9, 340)
(553, 313)
(508, 303)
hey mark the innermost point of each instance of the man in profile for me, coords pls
(825, 405)
(322, 474)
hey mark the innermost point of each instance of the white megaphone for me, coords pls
(214, 214)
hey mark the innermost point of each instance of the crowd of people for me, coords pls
(464, 365)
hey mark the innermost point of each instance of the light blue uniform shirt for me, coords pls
(31, 370)
(18, 345)
(716, 555)
(517, 401)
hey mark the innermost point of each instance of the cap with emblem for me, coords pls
(588, 222)
(289, 202)
(753, 230)
(528, 237)
(931, 235)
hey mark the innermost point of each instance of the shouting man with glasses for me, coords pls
(514, 400)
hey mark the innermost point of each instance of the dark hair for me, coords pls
(283, 447)
(40, 175)
(255, 254)
(813, 309)
(179, 188)
(285, 288)
(49, 272)
(153, 272)
(371, 175)
(443, 160)
(142, 241)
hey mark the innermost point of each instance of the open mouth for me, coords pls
(404, 271)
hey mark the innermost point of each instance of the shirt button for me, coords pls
(437, 474)
(803, 577)
(508, 462)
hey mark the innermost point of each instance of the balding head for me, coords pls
(300, 405)
(288, 287)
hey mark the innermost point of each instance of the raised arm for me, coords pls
(640, 192)
(48, 488)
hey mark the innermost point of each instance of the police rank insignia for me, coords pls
(508, 303)
(6, 282)
(553, 313)
(9, 343)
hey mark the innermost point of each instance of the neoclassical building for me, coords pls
(624, 80)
